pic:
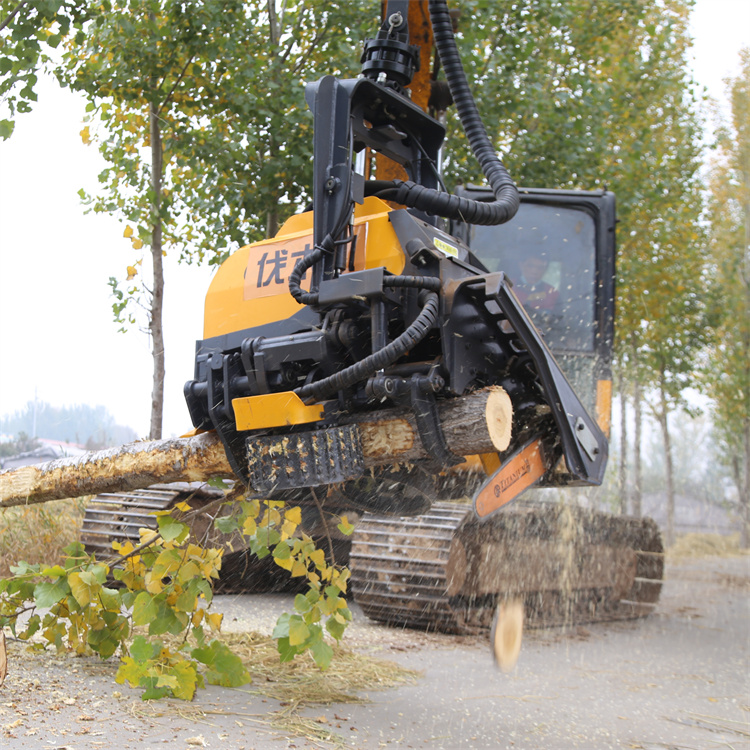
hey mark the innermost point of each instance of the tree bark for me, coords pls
(157, 295)
(637, 438)
(663, 418)
(475, 424)
(623, 473)
(743, 488)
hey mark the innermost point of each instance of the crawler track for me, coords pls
(446, 571)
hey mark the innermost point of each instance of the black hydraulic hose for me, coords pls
(506, 202)
(379, 360)
(415, 282)
(295, 277)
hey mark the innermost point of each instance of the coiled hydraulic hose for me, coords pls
(410, 194)
(295, 277)
(384, 357)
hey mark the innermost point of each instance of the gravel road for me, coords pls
(678, 679)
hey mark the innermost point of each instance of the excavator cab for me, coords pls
(565, 241)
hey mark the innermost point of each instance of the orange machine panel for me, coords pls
(251, 287)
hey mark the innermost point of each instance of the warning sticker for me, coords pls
(444, 247)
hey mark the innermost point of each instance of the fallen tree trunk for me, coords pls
(478, 423)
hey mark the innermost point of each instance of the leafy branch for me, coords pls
(163, 586)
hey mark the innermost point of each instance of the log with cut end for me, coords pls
(477, 423)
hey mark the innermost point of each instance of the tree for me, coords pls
(29, 30)
(728, 370)
(22, 444)
(81, 423)
(546, 74)
(654, 136)
(590, 95)
(199, 109)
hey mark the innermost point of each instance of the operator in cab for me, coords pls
(532, 291)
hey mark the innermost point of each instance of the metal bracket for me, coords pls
(418, 393)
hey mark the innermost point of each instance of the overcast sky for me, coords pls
(57, 337)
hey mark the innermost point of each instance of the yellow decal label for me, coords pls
(444, 247)
(269, 266)
(509, 481)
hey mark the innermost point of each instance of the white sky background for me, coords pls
(57, 336)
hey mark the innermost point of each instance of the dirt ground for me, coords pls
(678, 679)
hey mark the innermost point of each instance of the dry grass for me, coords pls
(705, 545)
(296, 686)
(38, 533)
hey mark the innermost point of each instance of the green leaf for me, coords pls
(224, 667)
(104, 642)
(187, 601)
(172, 530)
(110, 599)
(322, 653)
(298, 631)
(57, 571)
(6, 129)
(335, 627)
(219, 484)
(302, 604)
(282, 626)
(145, 609)
(143, 650)
(287, 652)
(167, 620)
(47, 594)
(153, 691)
(24, 569)
(226, 524)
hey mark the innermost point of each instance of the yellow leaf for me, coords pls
(137, 244)
(299, 569)
(86, 135)
(153, 584)
(249, 527)
(128, 231)
(132, 271)
(294, 515)
(286, 564)
(319, 558)
(146, 535)
(214, 620)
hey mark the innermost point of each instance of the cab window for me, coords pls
(549, 253)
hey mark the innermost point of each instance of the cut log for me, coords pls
(127, 467)
(477, 423)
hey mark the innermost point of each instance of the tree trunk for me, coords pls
(744, 489)
(623, 473)
(272, 223)
(475, 424)
(638, 412)
(157, 294)
(663, 418)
